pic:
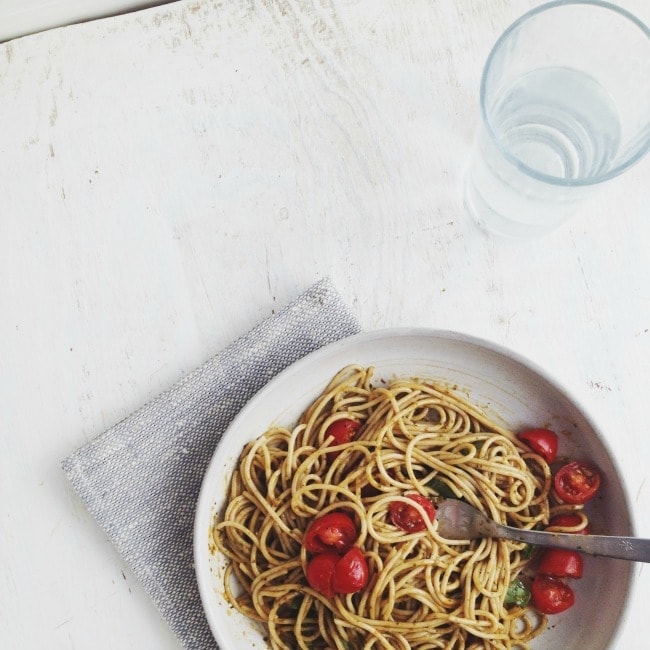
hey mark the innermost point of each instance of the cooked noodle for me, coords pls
(424, 591)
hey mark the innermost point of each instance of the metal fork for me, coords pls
(459, 520)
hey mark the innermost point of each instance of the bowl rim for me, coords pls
(204, 502)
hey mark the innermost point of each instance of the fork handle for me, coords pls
(624, 548)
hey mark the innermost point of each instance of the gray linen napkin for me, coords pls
(141, 478)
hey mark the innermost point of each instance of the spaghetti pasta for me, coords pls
(423, 591)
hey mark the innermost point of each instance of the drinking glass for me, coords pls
(565, 106)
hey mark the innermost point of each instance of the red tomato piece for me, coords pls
(407, 517)
(350, 572)
(551, 595)
(561, 563)
(342, 430)
(569, 520)
(320, 572)
(542, 441)
(577, 482)
(332, 532)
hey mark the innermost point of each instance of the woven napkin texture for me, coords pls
(141, 478)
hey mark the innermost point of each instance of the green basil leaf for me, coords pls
(441, 488)
(528, 551)
(517, 594)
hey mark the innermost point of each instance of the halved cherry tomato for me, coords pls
(350, 572)
(551, 595)
(568, 520)
(332, 532)
(342, 430)
(561, 563)
(407, 517)
(577, 482)
(330, 574)
(320, 572)
(542, 441)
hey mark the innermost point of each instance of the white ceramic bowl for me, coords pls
(507, 387)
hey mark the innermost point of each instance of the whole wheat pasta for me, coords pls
(423, 591)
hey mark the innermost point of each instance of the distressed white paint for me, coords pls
(170, 177)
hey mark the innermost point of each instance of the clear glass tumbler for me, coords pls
(565, 106)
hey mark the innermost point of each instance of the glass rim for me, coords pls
(530, 171)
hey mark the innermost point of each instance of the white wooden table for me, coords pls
(170, 177)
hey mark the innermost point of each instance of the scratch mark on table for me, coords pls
(599, 385)
(638, 492)
(54, 113)
(581, 268)
(268, 274)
